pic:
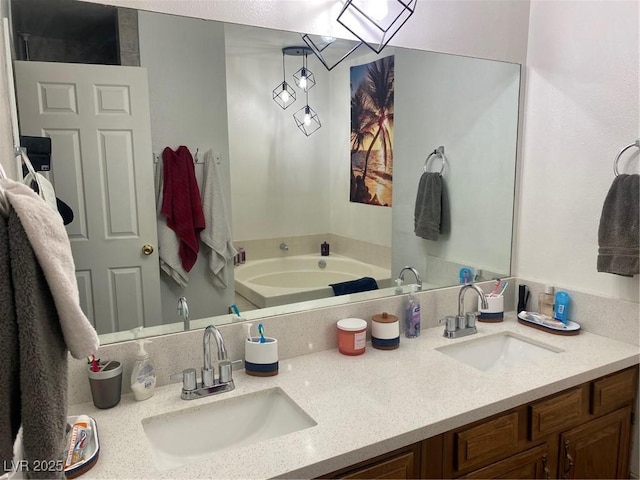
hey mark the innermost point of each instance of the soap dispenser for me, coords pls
(143, 376)
(412, 315)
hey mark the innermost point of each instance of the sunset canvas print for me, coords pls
(372, 88)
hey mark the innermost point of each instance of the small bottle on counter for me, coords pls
(324, 249)
(545, 301)
(412, 315)
(242, 254)
(561, 307)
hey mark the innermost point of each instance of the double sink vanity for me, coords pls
(509, 401)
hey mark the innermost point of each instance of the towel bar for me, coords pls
(615, 162)
(438, 152)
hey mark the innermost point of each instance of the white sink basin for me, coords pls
(178, 438)
(499, 352)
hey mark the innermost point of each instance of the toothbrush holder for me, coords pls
(261, 359)
(495, 311)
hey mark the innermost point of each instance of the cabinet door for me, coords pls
(532, 463)
(597, 449)
(401, 466)
(403, 463)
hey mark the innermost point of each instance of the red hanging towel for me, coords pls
(181, 202)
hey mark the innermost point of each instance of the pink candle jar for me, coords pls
(352, 336)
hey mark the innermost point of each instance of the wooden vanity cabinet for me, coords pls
(582, 432)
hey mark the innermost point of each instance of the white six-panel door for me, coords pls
(98, 119)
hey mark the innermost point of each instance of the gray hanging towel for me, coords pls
(38, 393)
(428, 209)
(618, 234)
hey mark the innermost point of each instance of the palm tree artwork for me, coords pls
(372, 89)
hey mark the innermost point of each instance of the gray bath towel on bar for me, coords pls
(618, 234)
(430, 216)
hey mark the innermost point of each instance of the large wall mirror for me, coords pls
(114, 87)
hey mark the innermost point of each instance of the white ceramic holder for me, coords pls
(261, 359)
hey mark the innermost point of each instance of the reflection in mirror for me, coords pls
(207, 85)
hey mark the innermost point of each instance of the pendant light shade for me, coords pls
(284, 95)
(375, 22)
(304, 77)
(307, 119)
(329, 50)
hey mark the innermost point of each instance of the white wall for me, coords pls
(581, 109)
(280, 180)
(470, 107)
(495, 29)
(185, 60)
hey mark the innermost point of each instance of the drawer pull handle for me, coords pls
(547, 473)
(569, 459)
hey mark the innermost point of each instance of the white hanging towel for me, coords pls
(52, 248)
(217, 232)
(168, 241)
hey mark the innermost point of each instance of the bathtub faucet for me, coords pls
(415, 272)
(284, 247)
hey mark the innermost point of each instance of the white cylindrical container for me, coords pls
(261, 359)
(385, 331)
(495, 310)
(352, 336)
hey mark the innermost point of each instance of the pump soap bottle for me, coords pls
(143, 376)
(412, 315)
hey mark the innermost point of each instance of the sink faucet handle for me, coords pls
(450, 320)
(225, 371)
(188, 377)
(471, 318)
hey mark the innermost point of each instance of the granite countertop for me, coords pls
(363, 406)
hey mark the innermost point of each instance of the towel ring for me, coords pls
(438, 152)
(615, 162)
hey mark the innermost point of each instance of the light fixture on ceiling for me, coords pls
(284, 95)
(375, 22)
(304, 77)
(329, 50)
(307, 119)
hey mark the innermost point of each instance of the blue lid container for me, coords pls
(561, 307)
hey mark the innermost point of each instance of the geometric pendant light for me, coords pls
(375, 22)
(307, 119)
(330, 50)
(283, 94)
(304, 77)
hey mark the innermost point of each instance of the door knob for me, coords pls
(147, 249)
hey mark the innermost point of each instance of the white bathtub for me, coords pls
(278, 281)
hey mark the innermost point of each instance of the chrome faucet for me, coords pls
(415, 272)
(209, 385)
(183, 311)
(284, 247)
(464, 324)
(208, 378)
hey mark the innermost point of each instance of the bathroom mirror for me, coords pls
(210, 88)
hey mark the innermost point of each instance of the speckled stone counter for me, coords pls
(364, 406)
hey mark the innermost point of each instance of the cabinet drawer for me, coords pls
(483, 442)
(532, 463)
(556, 413)
(401, 466)
(613, 391)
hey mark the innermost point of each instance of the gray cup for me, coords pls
(106, 384)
